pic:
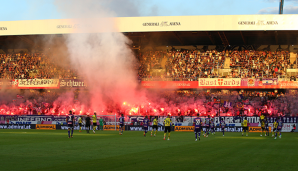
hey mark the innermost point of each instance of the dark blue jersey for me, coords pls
(222, 124)
(207, 121)
(197, 122)
(121, 120)
(279, 124)
(145, 122)
(212, 124)
(70, 118)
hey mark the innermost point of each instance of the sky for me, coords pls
(12, 10)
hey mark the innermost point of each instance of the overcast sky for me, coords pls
(46, 9)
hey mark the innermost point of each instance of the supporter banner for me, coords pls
(72, 83)
(13, 126)
(223, 83)
(288, 84)
(46, 126)
(219, 82)
(269, 81)
(256, 129)
(169, 84)
(6, 84)
(36, 83)
(249, 82)
(111, 127)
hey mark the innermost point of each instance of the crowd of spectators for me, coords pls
(31, 66)
(193, 64)
(173, 65)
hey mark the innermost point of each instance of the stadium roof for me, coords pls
(219, 30)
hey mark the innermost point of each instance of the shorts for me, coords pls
(223, 128)
(167, 129)
(278, 130)
(121, 125)
(245, 128)
(263, 128)
(70, 126)
(94, 124)
(155, 127)
(80, 124)
(197, 130)
(274, 129)
(207, 127)
(146, 128)
(267, 128)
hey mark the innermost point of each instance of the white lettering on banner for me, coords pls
(72, 83)
(15, 126)
(33, 83)
(219, 82)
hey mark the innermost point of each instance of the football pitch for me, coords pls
(107, 150)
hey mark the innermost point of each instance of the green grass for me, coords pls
(107, 150)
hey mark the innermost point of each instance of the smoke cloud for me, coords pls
(104, 60)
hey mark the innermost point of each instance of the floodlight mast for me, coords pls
(281, 6)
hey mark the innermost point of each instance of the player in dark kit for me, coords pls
(87, 120)
(279, 127)
(145, 125)
(70, 122)
(222, 126)
(121, 123)
(207, 124)
(266, 127)
(198, 126)
(212, 127)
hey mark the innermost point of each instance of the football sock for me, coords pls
(164, 135)
(155, 132)
(196, 135)
(169, 135)
(71, 132)
(80, 128)
(199, 134)
(223, 132)
(68, 133)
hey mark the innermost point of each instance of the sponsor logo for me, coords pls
(111, 127)
(184, 128)
(64, 26)
(246, 23)
(257, 129)
(15, 127)
(136, 128)
(150, 24)
(263, 22)
(3, 28)
(162, 24)
(45, 126)
(166, 24)
(259, 23)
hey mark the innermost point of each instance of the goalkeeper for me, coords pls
(101, 124)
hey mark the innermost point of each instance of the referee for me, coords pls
(87, 123)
